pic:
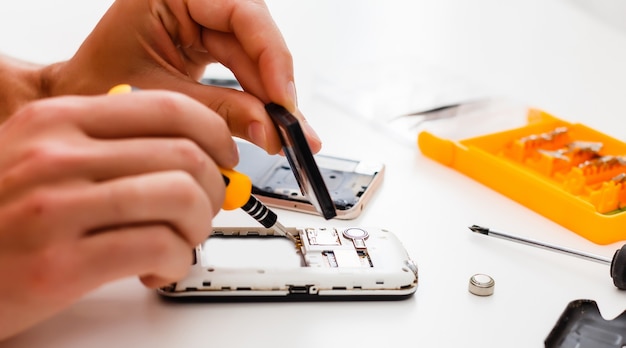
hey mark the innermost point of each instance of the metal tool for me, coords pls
(239, 195)
(443, 111)
(617, 263)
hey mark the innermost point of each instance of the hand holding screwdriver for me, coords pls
(238, 191)
(239, 195)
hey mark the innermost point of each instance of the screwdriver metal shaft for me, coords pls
(617, 263)
(261, 213)
(239, 195)
(531, 242)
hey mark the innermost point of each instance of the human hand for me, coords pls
(167, 44)
(94, 189)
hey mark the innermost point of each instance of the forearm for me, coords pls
(20, 83)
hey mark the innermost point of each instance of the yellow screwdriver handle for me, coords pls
(238, 185)
(238, 189)
(121, 89)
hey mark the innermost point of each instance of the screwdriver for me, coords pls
(238, 191)
(617, 263)
(239, 195)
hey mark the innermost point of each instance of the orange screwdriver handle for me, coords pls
(238, 189)
(121, 89)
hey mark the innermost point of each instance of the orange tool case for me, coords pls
(569, 173)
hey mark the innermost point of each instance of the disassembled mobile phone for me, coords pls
(241, 263)
(301, 160)
(350, 183)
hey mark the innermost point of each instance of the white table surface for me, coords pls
(560, 56)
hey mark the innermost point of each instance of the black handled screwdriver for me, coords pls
(617, 263)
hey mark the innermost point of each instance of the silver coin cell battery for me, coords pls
(481, 285)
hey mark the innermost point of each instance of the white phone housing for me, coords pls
(326, 263)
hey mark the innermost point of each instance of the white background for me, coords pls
(566, 57)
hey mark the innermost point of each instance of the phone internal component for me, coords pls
(259, 252)
(346, 258)
(299, 289)
(323, 236)
(327, 247)
(357, 235)
(349, 258)
(366, 260)
(330, 258)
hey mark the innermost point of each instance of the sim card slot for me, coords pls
(329, 257)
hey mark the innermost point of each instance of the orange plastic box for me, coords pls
(569, 173)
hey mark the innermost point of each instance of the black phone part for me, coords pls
(582, 326)
(301, 160)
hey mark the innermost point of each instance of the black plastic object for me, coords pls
(581, 326)
(618, 268)
(301, 160)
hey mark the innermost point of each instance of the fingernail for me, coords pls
(235, 152)
(293, 98)
(310, 131)
(306, 127)
(256, 134)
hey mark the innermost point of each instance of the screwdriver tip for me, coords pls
(479, 229)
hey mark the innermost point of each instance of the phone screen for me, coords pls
(347, 180)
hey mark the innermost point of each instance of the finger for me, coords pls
(260, 38)
(95, 161)
(151, 251)
(145, 114)
(113, 159)
(227, 50)
(245, 115)
(172, 198)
